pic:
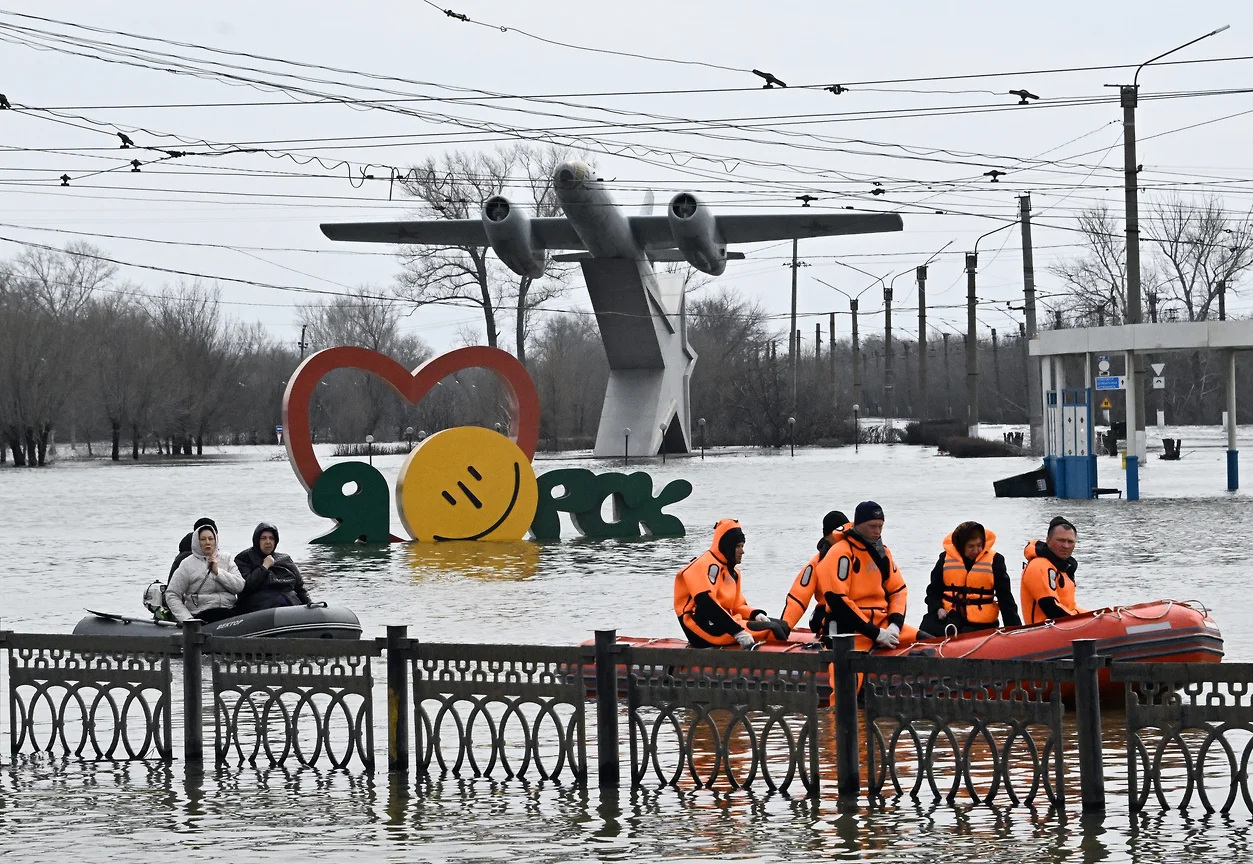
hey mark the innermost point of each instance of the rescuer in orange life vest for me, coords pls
(860, 587)
(709, 597)
(969, 587)
(1048, 576)
(804, 585)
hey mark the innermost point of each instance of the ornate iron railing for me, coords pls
(987, 724)
(302, 699)
(1202, 714)
(513, 710)
(736, 716)
(103, 696)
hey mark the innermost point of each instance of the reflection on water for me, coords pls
(509, 561)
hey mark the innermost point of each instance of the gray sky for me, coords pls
(751, 149)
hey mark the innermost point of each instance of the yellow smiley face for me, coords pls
(467, 483)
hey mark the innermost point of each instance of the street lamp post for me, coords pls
(791, 434)
(409, 436)
(369, 447)
(702, 438)
(852, 303)
(626, 446)
(856, 428)
(1128, 97)
(972, 335)
(662, 427)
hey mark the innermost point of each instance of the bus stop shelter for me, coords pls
(1226, 337)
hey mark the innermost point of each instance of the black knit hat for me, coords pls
(1061, 522)
(203, 521)
(833, 521)
(867, 511)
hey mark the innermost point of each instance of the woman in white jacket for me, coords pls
(206, 583)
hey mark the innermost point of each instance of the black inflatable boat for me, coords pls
(315, 621)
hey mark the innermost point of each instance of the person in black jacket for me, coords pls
(969, 588)
(271, 578)
(184, 545)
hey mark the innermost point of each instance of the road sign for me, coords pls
(1159, 383)
(1111, 382)
(1102, 358)
(1106, 404)
(1103, 366)
(1158, 367)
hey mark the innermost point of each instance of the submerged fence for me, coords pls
(980, 731)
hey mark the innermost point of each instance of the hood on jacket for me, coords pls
(1040, 549)
(256, 535)
(989, 541)
(195, 540)
(727, 535)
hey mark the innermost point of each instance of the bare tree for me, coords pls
(455, 188)
(1199, 245)
(1097, 279)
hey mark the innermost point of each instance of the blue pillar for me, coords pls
(1133, 472)
(1233, 470)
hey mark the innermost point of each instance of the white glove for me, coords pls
(761, 616)
(889, 636)
(745, 639)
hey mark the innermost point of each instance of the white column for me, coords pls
(1231, 400)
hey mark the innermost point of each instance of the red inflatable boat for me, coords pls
(1165, 631)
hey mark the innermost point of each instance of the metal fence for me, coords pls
(512, 710)
(1203, 712)
(301, 699)
(734, 716)
(103, 697)
(984, 731)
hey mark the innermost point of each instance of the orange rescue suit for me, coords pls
(1044, 576)
(849, 573)
(805, 584)
(972, 593)
(708, 597)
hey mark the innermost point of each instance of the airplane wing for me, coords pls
(787, 226)
(549, 232)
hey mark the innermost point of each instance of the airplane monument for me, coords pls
(639, 312)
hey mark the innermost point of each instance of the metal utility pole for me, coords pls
(817, 342)
(302, 344)
(1222, 299)
(948, 390)
(1035, 407)
(1128, 97)
(835, 400)
(889, 372)
(972, 349)
(996, 373)
(856, 359)
(794, 335)
(921, 273)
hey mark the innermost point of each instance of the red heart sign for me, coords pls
(412, 386)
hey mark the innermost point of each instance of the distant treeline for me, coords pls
(84, 355)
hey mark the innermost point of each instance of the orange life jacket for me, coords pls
(850, 570)
(803, 586)
(710, 573)
(1040, 579)
(971, 593)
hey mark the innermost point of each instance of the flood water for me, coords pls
(93, 535)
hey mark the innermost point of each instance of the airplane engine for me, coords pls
(692, 225)
(509, 231)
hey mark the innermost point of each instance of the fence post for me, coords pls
(607, 707)
(847, 744)
(397, 699)
(1088, 722)
(193, 708)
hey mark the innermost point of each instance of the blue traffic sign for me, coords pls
(1110, 382)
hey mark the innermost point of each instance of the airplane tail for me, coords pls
(646, 209)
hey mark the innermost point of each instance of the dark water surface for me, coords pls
(94, 535)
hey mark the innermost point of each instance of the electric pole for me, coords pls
(921, 273)
(1035, 407)
(856, 360)
(996, 374)
(889, 374)
(794, 334)
(302, 344)
(835, 400)
(948, 390)
(972, 349)
(817, 342)
(1222, 299)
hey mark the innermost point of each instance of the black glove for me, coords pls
(777, 627)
